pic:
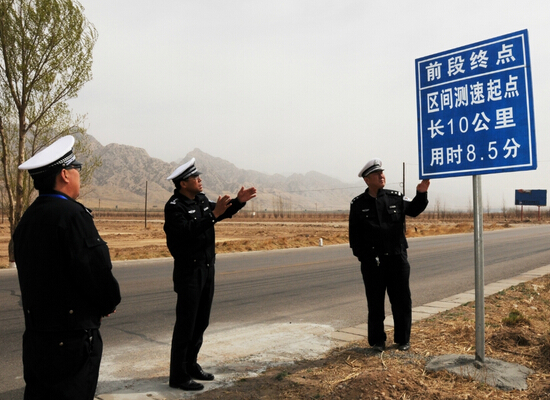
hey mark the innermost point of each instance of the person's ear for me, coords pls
(64, 175)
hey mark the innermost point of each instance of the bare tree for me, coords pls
(278, 207)
(438, 208)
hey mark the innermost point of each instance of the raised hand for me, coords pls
(423, 186)
(223, 203)
(246, 194)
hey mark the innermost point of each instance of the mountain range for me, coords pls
(128, 177)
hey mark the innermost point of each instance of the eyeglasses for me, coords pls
(77, 167)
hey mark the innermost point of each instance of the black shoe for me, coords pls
(199, 374)
(379, 346)
(403, 346)
(188, 385)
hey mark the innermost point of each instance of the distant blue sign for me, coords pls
(475, 109)
(530, 197)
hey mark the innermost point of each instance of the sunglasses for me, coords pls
(77, 167)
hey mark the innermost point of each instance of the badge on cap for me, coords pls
(370, 167)
(56, 156)
(184, 171)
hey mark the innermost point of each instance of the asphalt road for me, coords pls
(320, 285)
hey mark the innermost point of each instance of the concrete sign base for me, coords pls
(500, 374)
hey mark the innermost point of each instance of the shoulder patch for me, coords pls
(355, 198)
(203, 197)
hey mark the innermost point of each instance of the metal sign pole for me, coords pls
(479, 266)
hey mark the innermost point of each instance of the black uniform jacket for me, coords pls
(376, 226)
(64, 268)
(190, 234)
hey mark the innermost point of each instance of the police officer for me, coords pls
(65, 278)
(377, 239)
(189, 219)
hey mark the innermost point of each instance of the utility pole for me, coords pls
(405, 220)
(145, 204)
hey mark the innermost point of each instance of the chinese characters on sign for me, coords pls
(475, 109)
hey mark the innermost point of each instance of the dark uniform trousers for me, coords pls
(72, 359)
(392, 275)
(195, 295)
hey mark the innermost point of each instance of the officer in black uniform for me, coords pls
(189, 218)
(377, 238)
(66, 281)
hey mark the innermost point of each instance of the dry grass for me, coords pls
(356, 372)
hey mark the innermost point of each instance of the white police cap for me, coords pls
(56, 156)
(370, 167)
(184, 171)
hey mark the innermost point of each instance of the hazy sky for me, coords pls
(296, 86)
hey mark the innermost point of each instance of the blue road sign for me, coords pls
(535, 197)
(475, 109)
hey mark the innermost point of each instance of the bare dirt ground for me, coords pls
(133, 238)
(517, 322)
